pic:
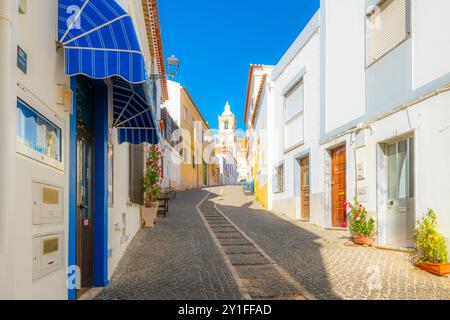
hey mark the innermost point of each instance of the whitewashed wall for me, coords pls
(301, 60)
(352, 94)
(431, 48)
(343, 61)
(118, 240)
(45, 71)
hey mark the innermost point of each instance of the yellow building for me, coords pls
(196, 170)
(256, 119)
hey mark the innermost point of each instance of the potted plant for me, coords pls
(431, 245)
(360, 224)
(151, 186)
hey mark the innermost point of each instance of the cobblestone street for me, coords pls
(236, 250)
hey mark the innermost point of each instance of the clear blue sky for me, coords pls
(217, 40)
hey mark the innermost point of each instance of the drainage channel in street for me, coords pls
(256, 274)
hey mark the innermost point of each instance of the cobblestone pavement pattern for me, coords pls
(318, 259)
(179, 258)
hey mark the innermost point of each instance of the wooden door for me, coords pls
(338, 186)
(305, 188)
(85, 203)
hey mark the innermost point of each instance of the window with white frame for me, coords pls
(279, 179)
(293, 115)
(388, 25)
(37, 136)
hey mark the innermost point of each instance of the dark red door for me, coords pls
(84, 236)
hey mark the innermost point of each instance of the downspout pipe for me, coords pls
(8, 10)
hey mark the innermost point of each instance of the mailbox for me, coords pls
(48, 254)
(47, 204)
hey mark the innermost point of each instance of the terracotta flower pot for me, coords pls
(364, 241)
(441, 269)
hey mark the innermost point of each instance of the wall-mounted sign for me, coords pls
(22, 59)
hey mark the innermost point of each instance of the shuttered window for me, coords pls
(389, 25)
(278, 185)
(293, 116)
(136, 174)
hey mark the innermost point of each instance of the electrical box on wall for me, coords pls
(65, 97)
(23, 6)
(363, 194)
(360, 138)
(361, 171)
(47, 204)
(48, 254)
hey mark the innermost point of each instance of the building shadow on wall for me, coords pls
(295, 249)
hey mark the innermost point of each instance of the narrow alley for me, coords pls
(218, 243)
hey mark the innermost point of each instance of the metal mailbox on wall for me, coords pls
(48, 254)
(47, 204)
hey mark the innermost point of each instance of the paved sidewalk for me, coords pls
(318, 259)
(177, 259)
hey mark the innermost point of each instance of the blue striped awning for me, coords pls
(132, 116)
(100, 42)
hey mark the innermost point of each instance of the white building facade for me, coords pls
(49, 161)
(364, 114)
(294, 120)
(384, 102)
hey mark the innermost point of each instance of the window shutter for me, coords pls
(136, 174)
(294, 101)
(389, 26)
(293, 116)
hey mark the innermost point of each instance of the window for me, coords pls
(279, 179)
(185, 113)
(293, 115)
(227, 125)
(37, 133)
(400, 157)
(136, 174)
(389, 24)
(110, 175)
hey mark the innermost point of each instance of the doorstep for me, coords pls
(91, 294)
(398, 249)
(336, 229)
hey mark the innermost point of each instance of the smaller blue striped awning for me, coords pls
(100, 42)
(133, 118)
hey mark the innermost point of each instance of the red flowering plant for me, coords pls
(152, 176)
(359, 222)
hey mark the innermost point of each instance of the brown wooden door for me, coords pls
(85, 203)
(339, 186)
(305, 188)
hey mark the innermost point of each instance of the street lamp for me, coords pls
(173, 65)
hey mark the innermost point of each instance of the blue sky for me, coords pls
(217, 40)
